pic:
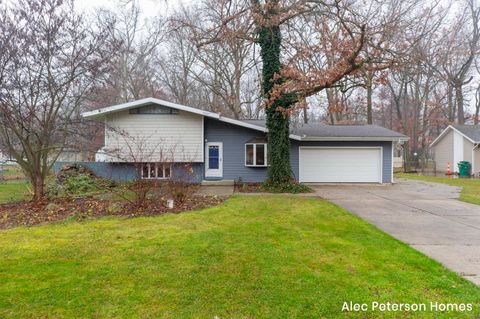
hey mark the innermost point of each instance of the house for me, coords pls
(457, 143)
(150, 132)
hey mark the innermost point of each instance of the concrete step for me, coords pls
(220, 182)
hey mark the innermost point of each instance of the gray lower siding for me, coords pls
(128, 171)
(234, 138)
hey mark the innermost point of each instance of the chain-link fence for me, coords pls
(2, 173)
(10, 171)
(425, 167)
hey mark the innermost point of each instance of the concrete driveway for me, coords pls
(427, 216)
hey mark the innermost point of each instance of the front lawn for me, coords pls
(251, 257)
(14, 191)
(470, 187)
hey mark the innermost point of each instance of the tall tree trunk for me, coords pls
(237, 104)
(424, 131)
(451, 107)
(369, 86)
(459, 99)
(391, 115)
(477, 114)
(331, 106)
(476, 119)
(305, 114)
(417, 104)
(278, 122)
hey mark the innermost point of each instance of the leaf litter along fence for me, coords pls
(10, 171)
(425, 167)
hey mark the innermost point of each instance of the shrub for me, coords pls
(292, 187)
(74, 185)
(80, 184)
(179, 191)
(72, 170)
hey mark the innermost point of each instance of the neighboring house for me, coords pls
(455, 144)
(5, 159)
(152, 132)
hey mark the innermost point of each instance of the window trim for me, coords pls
(255, 155)
(157, 167)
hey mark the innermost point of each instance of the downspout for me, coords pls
(475, 146)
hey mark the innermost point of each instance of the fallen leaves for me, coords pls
(78, 209)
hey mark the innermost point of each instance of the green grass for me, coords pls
(470, 187)
(252, 257)
(14, 191)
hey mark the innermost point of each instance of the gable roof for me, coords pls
(470, 132)
(150, 100)
(304, 132)
(325, 132)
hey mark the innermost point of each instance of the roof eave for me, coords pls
(101, 113)
(130, 105)
(355, 138)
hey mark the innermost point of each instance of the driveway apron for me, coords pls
(427, 216)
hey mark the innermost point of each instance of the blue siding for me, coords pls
(128, 171)
(387, 154)
(234, 138)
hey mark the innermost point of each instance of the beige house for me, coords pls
(455, 144)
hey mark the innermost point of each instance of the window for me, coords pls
(156, 171)
(213, 156)
(256, 154)
(153, 109)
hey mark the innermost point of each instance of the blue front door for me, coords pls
(214, 159)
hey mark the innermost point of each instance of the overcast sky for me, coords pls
(149, 8)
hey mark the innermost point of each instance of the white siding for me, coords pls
(154, 137)
(467, 150)
(457, 150)
(443, 152)
(476, 168)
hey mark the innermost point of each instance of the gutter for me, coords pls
(355, 138)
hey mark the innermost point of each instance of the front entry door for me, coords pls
(214, 159)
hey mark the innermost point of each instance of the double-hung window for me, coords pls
(256, 154)
(156, 171)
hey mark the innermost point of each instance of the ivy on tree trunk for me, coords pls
(278, 121)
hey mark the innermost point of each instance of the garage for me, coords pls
(340, 164)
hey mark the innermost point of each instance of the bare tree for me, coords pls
(51, 60)
(132, 71)
(176, 63)
(460, 53)
(476, 116)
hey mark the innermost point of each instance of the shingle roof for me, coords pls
(338, 131)
(315, 131)
(471, 131)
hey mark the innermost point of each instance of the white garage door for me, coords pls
(340, 165)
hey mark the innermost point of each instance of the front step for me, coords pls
(220, 182)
